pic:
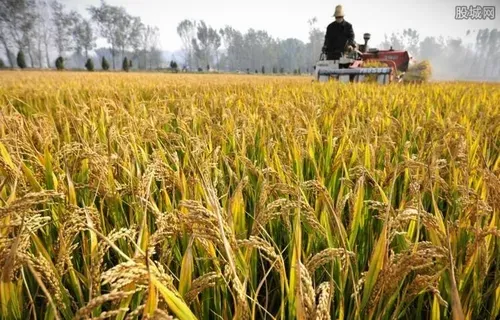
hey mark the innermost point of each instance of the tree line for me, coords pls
(31, 30)
(256, 50)
(454, 58)
(229, 49)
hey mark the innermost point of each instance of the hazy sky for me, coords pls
(288, 18)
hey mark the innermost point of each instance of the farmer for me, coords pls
(339, 36)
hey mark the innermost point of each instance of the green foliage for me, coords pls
(90, 65)
(21, 61)
(60, 63)
(104, 64)
(2, 64)
(125, 64)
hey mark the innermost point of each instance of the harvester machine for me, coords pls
(384, 66)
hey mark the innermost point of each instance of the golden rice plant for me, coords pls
(419, 72)
(151, 196)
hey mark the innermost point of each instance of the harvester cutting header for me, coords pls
(344, 60)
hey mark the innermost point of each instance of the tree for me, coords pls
(214, 40)
(395, 41)
(104, 64)
(316, 38)
(411, 40)
(135, 32)
(186, 30)
(233, 43)
(89, 65)
(267, 52)
(124, 20)
(251, 49)
(30, 34)
(263, 69)
(63, 28)
(113, 24)
(494, 53)
(156, 58)
(5, 39)
(256, 48)
(291, 54)
(32, 37)
(203, 44)
(2, 64)
(198, 52)
(43, 32)
(120, 29)
(125, 65)
(83, 35)
(155, 54)
(149, 40)
(174, 66)
(21, 62)
(408, 40)
(429, 48)
(485, 49)
(60, 63)
(129, 35)
(16, 24)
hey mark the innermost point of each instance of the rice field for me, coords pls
(152, 196)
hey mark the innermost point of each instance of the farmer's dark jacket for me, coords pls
(337, 34)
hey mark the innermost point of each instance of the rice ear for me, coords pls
(187, 269)
(420, 72)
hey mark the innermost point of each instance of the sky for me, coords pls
(289, 18)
